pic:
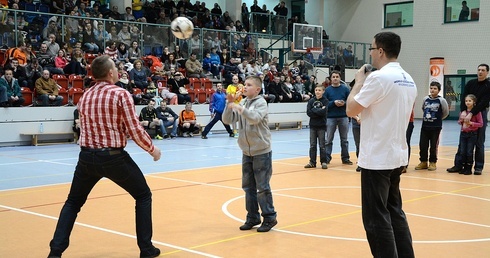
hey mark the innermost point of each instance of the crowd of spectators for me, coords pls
(45, 49)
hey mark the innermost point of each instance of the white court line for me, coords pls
(110, 231)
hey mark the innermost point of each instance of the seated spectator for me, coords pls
(50, 29)
(194, 67)
(134, 52)
(179, 56)
(124, 82)
(275, 88)
(237, 58)
(171, 63)
(299, 87)
(101, 36)
(168, 118)
(242, 69)
(139, 75)
(348, 56)
(18, 53)
(288, 92)
(310, 86)
(114, 35)
(167, 96)
(128, 15)
(34, 71)
(77, 64)
(265, 89)
(195, 43)
(124, 35)
(61, 61)
(149, 120)
(187, 121)
(208, 66)
(165, 54)
(47, 90)
(111, 50)
(122, 53)
(176, 84)
(89, 41)
(10, 94)
(252, 68)
(236, 44)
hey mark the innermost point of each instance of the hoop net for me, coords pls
(314, 51)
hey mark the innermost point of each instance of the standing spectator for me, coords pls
(10, 94)
(316, 109)
(216, 10)
(434, 109)
(47, 90)
(217, 105)
(479, 87)
(107, 157)
(255, 143)
(167, 118)
(281, 18)
(468, 135)
(137, 8)
(337, 95)
(245, 17)
(384, 98)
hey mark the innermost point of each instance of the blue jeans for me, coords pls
(166, 123)
(480, 145)
(217, 117)
(45, 101)
(467, 143)
(123, 171)
(385, 222)
(317, 136)
(256, 175)
(343, 124)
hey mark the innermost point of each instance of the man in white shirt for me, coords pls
(384, 98)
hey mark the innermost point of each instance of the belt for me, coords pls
(105, 151)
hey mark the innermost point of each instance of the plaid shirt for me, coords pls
(107, 116)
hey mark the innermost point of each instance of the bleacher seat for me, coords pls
(28, 96)
(76, 81)
(61, 80)
(195, 83)
(206, 83)
(75, 95)
(200, 95)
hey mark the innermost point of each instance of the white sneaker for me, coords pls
(191, 135)
(186, 134)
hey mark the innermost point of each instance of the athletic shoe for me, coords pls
(309, 165)
(158, 137)
(324, 165)
(432, 166)
(267, 226)
(249, 225)
(454, 169)
(422, 165)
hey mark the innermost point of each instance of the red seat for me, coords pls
(89, 70)
(76, 81)
(75, 94)
(206, 83)
(209, 93)
(200, 95)
(195, 83)
(61, 80)
(27, 95)
(90, 57)
(64, 93)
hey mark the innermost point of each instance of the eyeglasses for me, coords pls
(373, 48)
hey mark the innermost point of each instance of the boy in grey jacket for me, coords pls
(255, 142)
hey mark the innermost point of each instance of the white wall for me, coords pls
(463, 45)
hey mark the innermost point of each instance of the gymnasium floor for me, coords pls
(198, 204)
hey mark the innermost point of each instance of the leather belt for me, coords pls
(104, 151)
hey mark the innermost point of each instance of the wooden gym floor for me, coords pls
(198, 204)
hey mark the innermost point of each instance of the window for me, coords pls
(398, 15)
(461, 11)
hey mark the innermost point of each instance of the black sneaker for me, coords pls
(358, 169)
(232, 135)
(204, 136)
(347, 162)
(454, 169)
(249, 225)
(166, 136)
(267, 226)
(477, 171)
(155, 253)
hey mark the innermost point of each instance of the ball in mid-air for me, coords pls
(182, 28)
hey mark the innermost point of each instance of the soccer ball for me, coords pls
(182, 28)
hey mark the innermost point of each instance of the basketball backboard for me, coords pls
(307, 38)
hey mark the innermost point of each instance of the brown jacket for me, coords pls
(48, 86)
